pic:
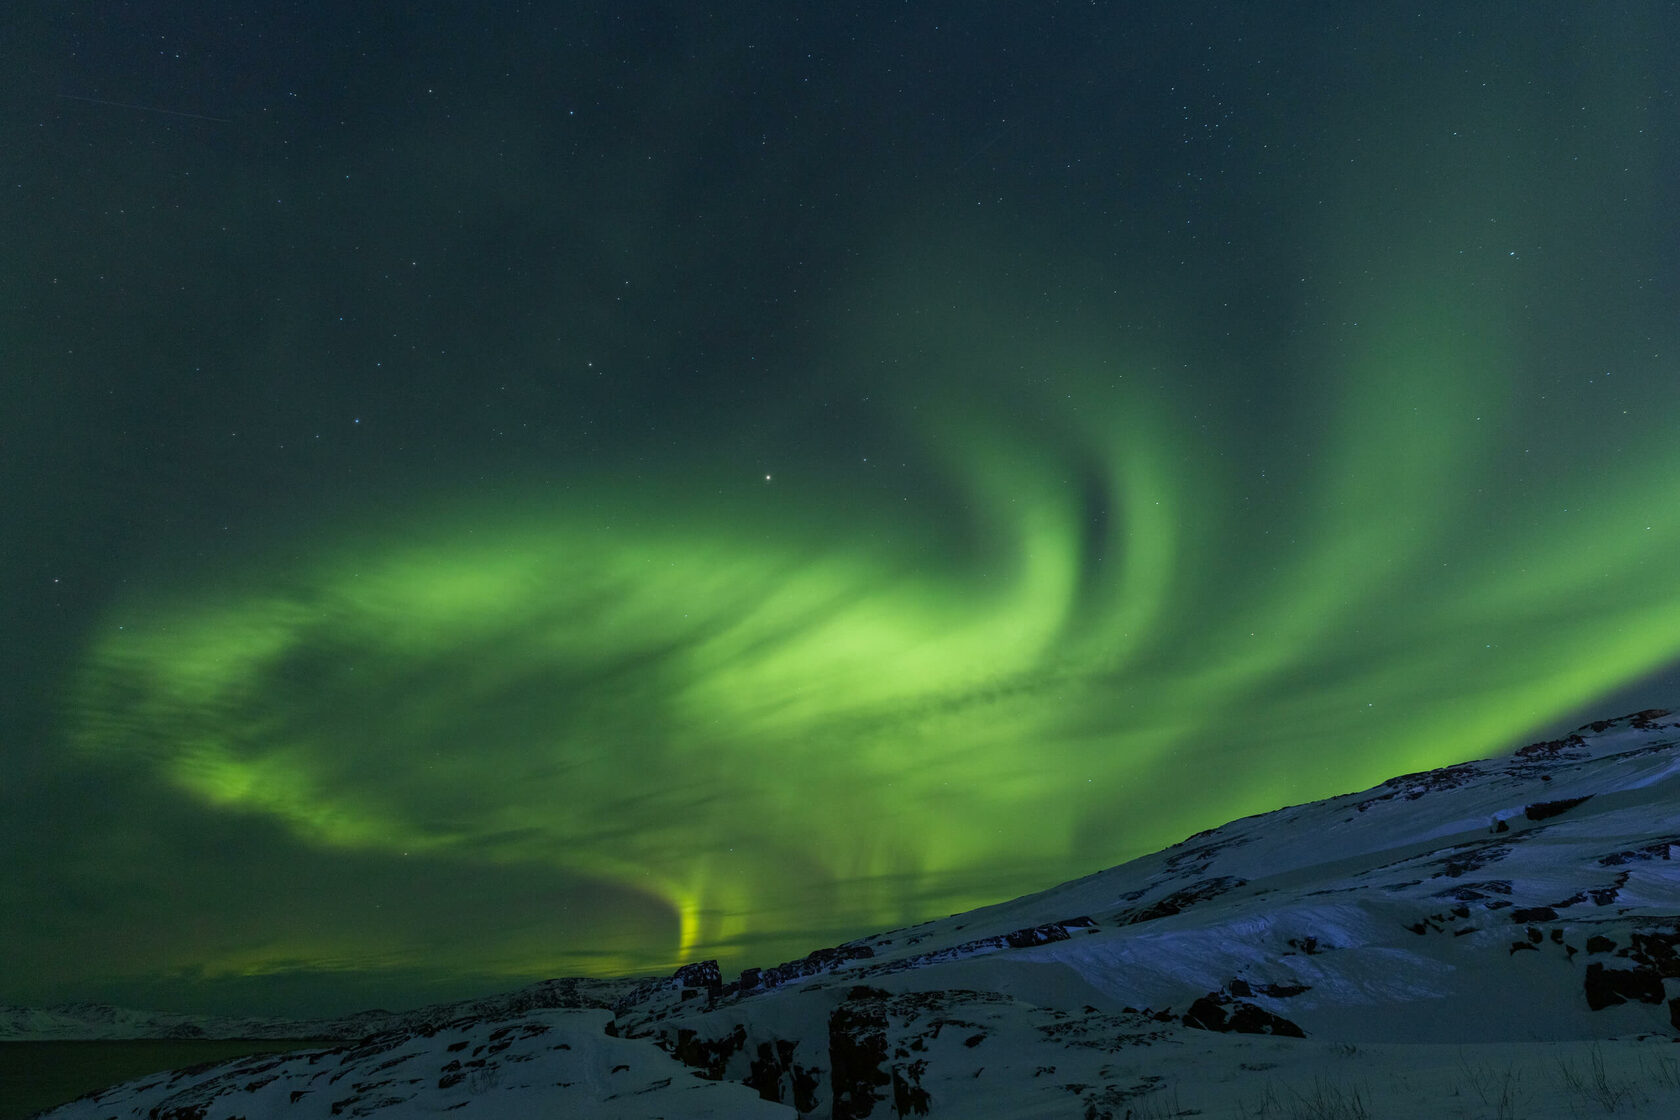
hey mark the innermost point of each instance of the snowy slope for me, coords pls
(102, 1021)
(1490, 939)
(555, 1062)
(1509, 884)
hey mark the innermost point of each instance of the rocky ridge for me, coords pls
(1528, 902)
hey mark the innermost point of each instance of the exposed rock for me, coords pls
(1181, 900)
(1662, 849)
(857, 1057)
(1476, 892)
(1045, 934)
(908, 1095)
(709, 1056)
(1282, 991)
(1533, 914)
(1606, 987)
(1209, 1014)
(1643, 720)
(1438, 922)
(1541, 810)
(776, 1077)
(701, 976)
(1571, 746)
(1410, 787)
(1193, 861)
(1473, 856)
(814, 964)
(875, 1028)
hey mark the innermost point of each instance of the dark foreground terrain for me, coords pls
(1491, 939)
(38, 1075)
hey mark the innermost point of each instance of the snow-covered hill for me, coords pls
(1490, 939)
(102, 1021)
(98, 1021)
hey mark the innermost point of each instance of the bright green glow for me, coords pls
(790, 726)
(793, 715)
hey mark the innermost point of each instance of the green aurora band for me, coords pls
(791, 715)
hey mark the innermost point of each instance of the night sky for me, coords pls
(497, 491)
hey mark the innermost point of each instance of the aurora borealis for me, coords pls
(546, 498)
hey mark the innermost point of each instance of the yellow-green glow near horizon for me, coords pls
(792, 718)
(721, 485)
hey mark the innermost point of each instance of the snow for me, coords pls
(1473, 942)
(545, 1063)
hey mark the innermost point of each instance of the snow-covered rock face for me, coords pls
(1524, 909)
(469, 1067)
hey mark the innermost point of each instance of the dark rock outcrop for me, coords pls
(701, 976)
(857, 1057)
(1570, 746)
(777, 1077)
(709, 1056)
(1219, 1012)
(1181, 900)
(814, 964)
(1606, 987)
(1541, 810)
